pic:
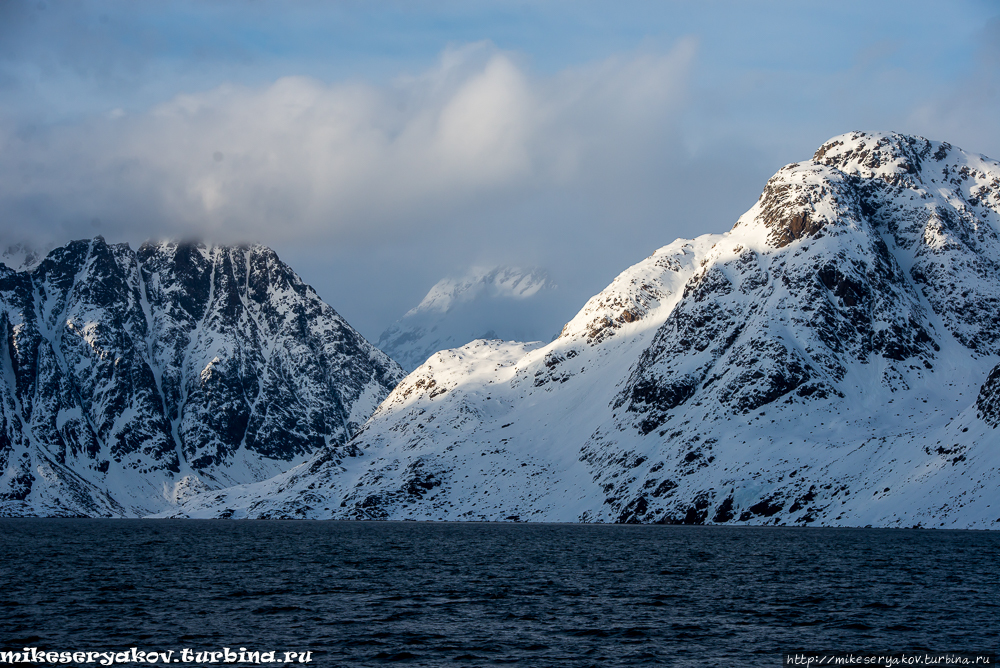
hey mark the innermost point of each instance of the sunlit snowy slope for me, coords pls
(131, 380)
(826, 361)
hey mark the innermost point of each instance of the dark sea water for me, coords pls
(367, 594)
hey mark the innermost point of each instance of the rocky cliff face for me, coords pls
(826, 361)
(133, 379)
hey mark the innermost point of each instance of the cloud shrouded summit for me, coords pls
(509, 303)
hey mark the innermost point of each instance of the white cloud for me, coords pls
(484, 129)
(300, 159)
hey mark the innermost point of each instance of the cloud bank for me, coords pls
(376, 163)
(304, 161)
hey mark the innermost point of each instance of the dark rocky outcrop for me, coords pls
(988, 401)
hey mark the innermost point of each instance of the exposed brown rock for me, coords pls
(786, 212)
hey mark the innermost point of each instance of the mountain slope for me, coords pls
(132, 379)
(497, 303)
(832, 359)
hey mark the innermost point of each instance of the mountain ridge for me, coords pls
(832, 360)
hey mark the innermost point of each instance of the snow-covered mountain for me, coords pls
(833, 359)
(131, 379)
(21, 257)
(509, 303)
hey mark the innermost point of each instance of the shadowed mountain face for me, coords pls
(826, 361)
(131, 379)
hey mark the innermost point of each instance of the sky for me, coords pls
(381, 146)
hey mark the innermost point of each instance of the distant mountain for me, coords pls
(831, 360)
(131, 379)
(508, 303)
(21, 257)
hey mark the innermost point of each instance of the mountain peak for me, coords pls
(879, 153)
(135, 378)
(503, 282)
(21, 257)
(501, 302)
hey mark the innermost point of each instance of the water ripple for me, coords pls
(363, 594)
